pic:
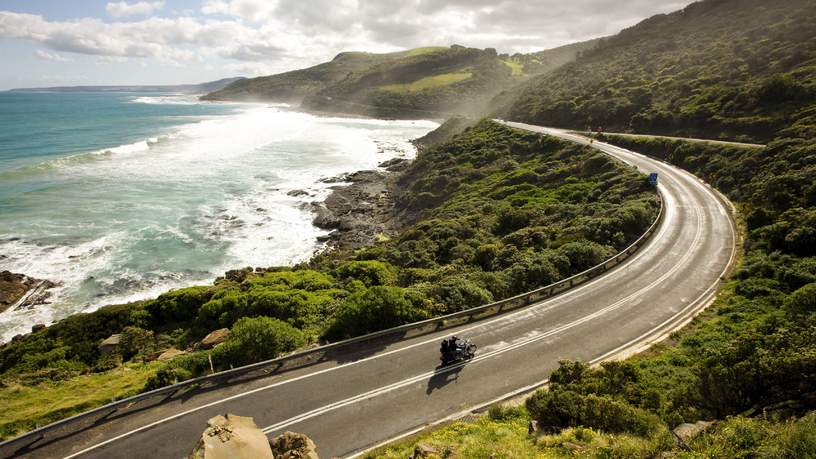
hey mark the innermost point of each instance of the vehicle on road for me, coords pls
(455, 350)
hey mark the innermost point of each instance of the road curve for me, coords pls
(347, 406)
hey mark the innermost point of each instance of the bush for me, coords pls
(178, 305)
(803, 300)
(254, 339)
(370, 272)
(565, 408)
(374, 309)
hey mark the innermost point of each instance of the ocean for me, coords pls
(122, 196)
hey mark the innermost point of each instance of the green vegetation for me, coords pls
(753, 353)
(516, 67)
(493, 212)
(730, 69)
(26, 407)
(429, 82)
(725, 69)
(421, 82)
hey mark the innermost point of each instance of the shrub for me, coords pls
(253, 339)
(376, 308)
(803, 300)
(566, 408)
(370, 272)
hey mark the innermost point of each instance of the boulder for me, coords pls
(686, 432)
(232, 437)
(37, 327)
(423, 450)
(292, 445)
(170, 354)
(215, 338)
(110, 344)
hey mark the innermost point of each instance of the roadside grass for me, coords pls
(444, 79)
(505, 436)
(29, 407)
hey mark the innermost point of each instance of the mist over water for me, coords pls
(191, 191)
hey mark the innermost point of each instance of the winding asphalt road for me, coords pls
(383, 393)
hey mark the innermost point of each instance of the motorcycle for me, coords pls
(455, 350)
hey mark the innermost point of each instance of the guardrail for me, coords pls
(61, 429)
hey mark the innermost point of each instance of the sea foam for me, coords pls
(185, 205)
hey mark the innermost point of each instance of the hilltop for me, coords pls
(729, 69)
(421, 82)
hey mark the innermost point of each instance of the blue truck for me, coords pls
(653, 179)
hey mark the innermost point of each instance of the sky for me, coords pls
(90, 42)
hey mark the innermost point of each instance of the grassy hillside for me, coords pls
(497, 212)
(422, 82)
(730, 69)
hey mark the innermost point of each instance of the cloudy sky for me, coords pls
(78, 42)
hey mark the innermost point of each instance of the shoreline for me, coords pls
(364, 211)
(356, 208)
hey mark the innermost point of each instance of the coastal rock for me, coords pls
(110, 344)
(336, 179)
(37, 327)
(232, 437)
(361, 213)
(395, 164)
(215, 338)
(238, 275)
(297, 193)
(292, 445)
(22, 290)
(324, 218)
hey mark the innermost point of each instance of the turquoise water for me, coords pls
(123, 196)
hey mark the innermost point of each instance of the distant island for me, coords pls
(199, 88)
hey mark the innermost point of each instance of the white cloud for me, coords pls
(122, 9)
(46, 56)
(279, 35)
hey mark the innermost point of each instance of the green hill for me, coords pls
(731, 69)
(431, 81)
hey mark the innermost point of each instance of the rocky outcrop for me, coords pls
(215, 338)
(22, 291)
(292, 445)
(232, 437)
(361, 213)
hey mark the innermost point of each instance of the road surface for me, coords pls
(383, 393)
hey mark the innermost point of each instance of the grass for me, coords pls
(29, 407)
(424, 50)
(506, 436)
(516, 67)
(445, 79)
